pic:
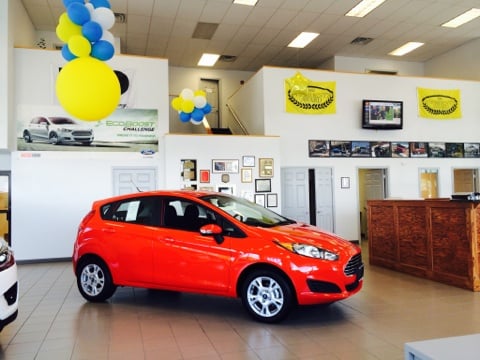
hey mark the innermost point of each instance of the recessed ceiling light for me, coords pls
(405, 49)
(364, 7)
(208, 59)
(303, 39)
(245, 2)
(463, 18)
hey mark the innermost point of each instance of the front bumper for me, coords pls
(8, 295)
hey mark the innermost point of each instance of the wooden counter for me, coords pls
(433, 239)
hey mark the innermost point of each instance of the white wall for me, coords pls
(52, 190)
(364, 65)
(295, 131)
(460, 63)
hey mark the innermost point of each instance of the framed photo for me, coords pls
(204, 176)
(345, 182)
(189, 169)
(225, 166)
(263, 185)
(318, 148)
(340, 148)
(454, 150)
(360, 149)
(272, 200)
(248, 161)
(381, 149)
(260, 199)
(228, 189)
(400, 150)
(247, 175)
(266, 167)
(418, 149)
(436, 149)
(471, 150)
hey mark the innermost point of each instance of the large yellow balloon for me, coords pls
(79, 46)
(88, 89)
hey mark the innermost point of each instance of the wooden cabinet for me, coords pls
(433, 239)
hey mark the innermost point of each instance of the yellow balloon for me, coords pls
(177, 103)
(79, 46)
(66, 28)
(188, 106)
(200, 93)
(88, 89)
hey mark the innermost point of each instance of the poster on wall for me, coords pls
(41, 128)
(439, 104)
(304, 96)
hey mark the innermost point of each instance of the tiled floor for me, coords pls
(55, 322)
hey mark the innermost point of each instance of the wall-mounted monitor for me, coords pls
(382, 114)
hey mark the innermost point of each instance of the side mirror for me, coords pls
(212, 230)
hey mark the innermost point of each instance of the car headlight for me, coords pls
(6, 256)
(310, 251)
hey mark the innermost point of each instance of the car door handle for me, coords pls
(108, 230)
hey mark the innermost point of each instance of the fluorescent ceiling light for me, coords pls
(303, 39)
(245, 2)
(405, 49)
(463, 18)
(208, 59)
(364, 7)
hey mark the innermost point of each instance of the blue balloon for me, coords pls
(184, 117)
(102, 50)
(67, 54)
(78, 13)
(100, 3)
(66, 3)
(92, 31)
(207, 109)
(197, 114)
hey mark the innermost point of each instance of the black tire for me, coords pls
(27, 137)
(53, 139)
(94, 280)
(267, 296)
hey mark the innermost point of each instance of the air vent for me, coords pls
(361, 41)
(204, 30)
(381, 72)
(227, 58)
(120, 18)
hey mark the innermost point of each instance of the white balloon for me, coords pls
(200, 102)
(108, 36)
(104, 16)
(187, 94)
(90, 8)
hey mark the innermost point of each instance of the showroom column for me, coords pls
(6, 72)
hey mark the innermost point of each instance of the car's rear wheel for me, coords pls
(27, 137)
(267, 296)
(94, 280)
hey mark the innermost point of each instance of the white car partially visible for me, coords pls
(8, 285)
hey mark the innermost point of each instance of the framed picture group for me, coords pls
(392, 149)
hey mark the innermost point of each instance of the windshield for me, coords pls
(246, 211)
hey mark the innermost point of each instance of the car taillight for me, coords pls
(86, 219)
(6, 256)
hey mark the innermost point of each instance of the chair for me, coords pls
(171, 217)
(190, 217)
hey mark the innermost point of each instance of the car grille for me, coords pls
(353, 265)
(82, 133)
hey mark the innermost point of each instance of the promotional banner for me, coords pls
(439, 104)
(303, 96)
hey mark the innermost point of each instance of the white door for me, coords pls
(210, 86)
(130, 180)
(306, 203)
(371, 187)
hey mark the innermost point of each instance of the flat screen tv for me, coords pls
(382, 114)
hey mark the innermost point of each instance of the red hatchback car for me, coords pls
(212, 243)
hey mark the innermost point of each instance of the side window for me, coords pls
(138, 211)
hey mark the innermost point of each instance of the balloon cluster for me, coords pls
(84, 29)
(86, 86)
(192, 106)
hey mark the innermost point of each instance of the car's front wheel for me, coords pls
(94, 280)
(27, 137)
(267, 296)
(53, 138)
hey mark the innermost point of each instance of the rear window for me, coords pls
(137, 210)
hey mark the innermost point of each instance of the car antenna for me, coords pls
(135, 185)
